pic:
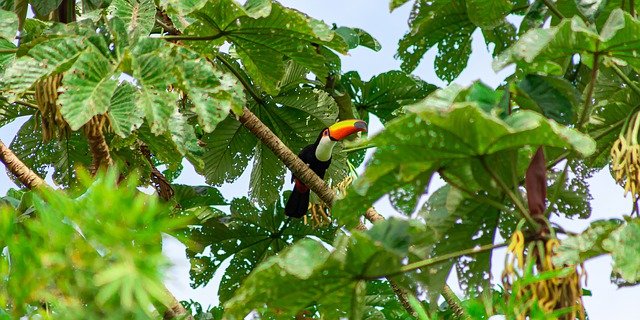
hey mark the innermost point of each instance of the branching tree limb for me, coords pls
(290, 159)
(24, 174)
(31, 180)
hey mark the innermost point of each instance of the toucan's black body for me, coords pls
(318, 157)
(298, 202)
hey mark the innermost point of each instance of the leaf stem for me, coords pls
(519, 205)
(358, 148)
(245, 83)
(556, 190)
(435, 260)
(473, 195)
(587, 108)
(9, 50)
(26, 104)
(192, 38)
(626, 79)
(553, 9)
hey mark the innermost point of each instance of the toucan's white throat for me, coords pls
(325, 148)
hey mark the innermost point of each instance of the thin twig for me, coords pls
(8, 50)
(553, 9)
(439, 259)
(26, 104)
(626, 79)
(192, 38)
(519, 205)
(586, 109)
(245, 83)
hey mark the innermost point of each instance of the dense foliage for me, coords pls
(118, 95)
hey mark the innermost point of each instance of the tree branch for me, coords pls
(32, 181)
(290, 159)
(25, 175)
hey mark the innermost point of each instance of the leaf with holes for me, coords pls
(46, 58)
(250, 234)
(63, 155)
(307, 273)
(263, 41)
(138, 16)
(88, 88)
(445, 24)
(453, 139)
(385, 93)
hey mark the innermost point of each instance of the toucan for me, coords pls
(318, 157)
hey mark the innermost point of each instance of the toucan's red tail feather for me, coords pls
(298, 203)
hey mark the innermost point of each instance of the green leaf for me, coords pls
(124, 114)
(46, 58)
(355, 37)
(250, 235)
(394, 4)
(588, 244)
(488, 14)
(307, 273)
(502, 37)
(212, 92)
(554, 97)
(184, 136)
(8, 25)
(458, 223)
(88, 86)
(138, 15)
(44, 7)
(624, 245)
(385, 93)
(10, 112)
(63, 155)
(452, 139)
(540, 49)
(267, 176)
(590, 8)
(227, 151)
(263, 43)
(197, 196)
(442, 23)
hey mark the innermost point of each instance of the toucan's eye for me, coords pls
(325, 132)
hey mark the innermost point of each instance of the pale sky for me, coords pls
(608, 302)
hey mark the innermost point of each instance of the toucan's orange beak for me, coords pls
(345, 128)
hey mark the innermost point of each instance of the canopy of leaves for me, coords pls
(450, 133)
(308, 272)
(247, 236)
(82, 256)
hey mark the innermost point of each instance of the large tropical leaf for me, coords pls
(308, 273)
(542, 50)
(89, 86)
(458, 140)
(64, 155)
(139, 16)
(249, 235)
(51, 56)
(385, 93)
(439, 23)
(263, 35)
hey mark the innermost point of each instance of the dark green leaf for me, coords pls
(554, 97)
